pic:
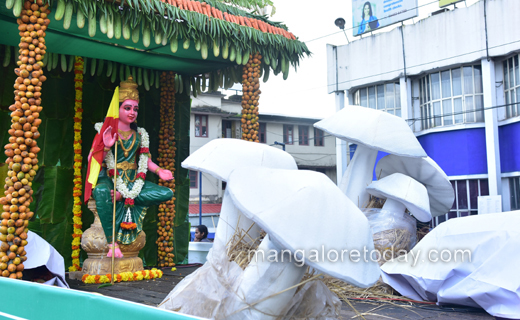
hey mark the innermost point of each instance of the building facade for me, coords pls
(213, 116)
(454, 77)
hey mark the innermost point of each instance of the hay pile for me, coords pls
(383, 242)
(242, 247)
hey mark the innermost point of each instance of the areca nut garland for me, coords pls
(166, 160)
(251, 95)
(22, 149)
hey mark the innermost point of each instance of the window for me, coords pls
(194, 181)
(201, 125)
(318, 138)
(288, 134)
(385, 97)
(303, 135)
(261, 133)
(226, 129)
(466, 199)
(451, 96)
(512, 86)
(514, 191)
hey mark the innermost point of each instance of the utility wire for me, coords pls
(409, 67)
(462, 112)
(294, 141)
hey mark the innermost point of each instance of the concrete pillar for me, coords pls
(405, 86)
(415, 105)
(341, 145)
(491, 127)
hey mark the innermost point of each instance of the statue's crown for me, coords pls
(128, 90)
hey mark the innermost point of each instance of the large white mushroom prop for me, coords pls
(372, 131)
(425, 171)
(219, 158)
(211, 282)
(298, 210)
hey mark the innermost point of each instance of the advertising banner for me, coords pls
(374, 14)
(443, 3)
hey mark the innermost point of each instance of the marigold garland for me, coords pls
(77, 191)
(124, 276)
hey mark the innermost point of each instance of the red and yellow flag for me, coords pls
(94, 164)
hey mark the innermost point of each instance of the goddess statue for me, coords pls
(134, 195)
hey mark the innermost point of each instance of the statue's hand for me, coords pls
(108, 139)
(165, 174)
(118, 195)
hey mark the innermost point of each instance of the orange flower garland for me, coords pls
(123, 277)
(77, 191)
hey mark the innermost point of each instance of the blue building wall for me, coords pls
(463, 152)
(509, 137)
(380, 154)
(457, 152)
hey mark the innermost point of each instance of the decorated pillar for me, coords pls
(22, 149)
(166, 159)
(250, 97)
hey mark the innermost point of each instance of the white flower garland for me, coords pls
(142, 167)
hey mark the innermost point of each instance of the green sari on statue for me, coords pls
(151, 194)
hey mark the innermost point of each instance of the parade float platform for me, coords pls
(137, 300)
(152, 293)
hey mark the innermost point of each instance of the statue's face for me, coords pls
(128, 111)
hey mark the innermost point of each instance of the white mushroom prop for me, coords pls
(297, 209)
(425, 171)
(394, 231)
(219, 158)
(372, 131)
(213, 283)
(402, 192)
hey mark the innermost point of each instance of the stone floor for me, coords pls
(152, 293)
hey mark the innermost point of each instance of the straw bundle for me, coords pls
(241, 247)
(392, 243)
(376, 203)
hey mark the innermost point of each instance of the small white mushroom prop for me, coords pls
(298, 210)
(219, 158)
(425, 171)
(373, 131)
(402, 192)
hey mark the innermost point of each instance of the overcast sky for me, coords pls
(304, 93)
